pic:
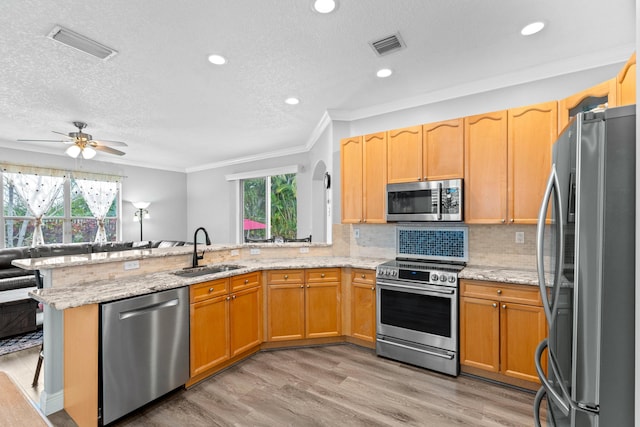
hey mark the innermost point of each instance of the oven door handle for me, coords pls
(416, 288)
(431, 353)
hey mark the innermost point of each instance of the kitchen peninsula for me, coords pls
(78, 283)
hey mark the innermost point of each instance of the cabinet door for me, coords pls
(404, 155)
(322, 308)
(626, 83)
(604, 92)
(522, 327)
(209, 340)
(485, 138)
(375, 177)
(351, 179)
(532, 131)
(480, 333)
(245, 320)
(363, 311)
(285, 305)
(443, 150)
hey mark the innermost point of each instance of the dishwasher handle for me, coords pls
(148, 309)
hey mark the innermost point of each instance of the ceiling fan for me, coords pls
(83, 143)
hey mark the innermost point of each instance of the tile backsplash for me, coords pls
(489, 245)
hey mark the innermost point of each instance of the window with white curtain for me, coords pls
(42, 206)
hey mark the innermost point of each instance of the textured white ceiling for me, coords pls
(176, 111)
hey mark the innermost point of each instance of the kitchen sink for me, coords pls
(206, 269)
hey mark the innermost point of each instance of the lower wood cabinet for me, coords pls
(500, 327)
(226, 320)
(303, 304)
(363, 305)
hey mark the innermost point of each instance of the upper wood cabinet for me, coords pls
(404, 155)
(351, 179)
(443, 150)
(485, 148)
(532, 131)
(602, 93)
(626, 82)
(364, 178)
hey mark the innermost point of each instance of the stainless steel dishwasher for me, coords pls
(144, 350)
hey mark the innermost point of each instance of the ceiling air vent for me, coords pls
(80, 42)
(388, 44)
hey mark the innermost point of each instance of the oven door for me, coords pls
(424, 314)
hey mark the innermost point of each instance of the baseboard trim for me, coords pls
(51, 402)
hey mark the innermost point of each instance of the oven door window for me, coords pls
(416, 312)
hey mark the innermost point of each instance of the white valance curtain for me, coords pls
(39, 192)
(99, 196)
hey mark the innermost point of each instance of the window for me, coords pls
(269, 207)
(49, 206)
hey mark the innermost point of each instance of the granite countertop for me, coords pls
(500, 274)
(111, 290)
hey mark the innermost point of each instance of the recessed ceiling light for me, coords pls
(532, 28)
(324, 6)
(292, 101)
(217, 59)
(384, 72)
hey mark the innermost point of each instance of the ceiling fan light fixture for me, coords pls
(81, 43)
(88, 152)
(73, 151)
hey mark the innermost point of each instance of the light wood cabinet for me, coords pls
(600, 94)
(507, 161)
(500, 327)
(303, 304)
(443, 150)
(404, 155)
(363, 305)
(364, 179)
(226, 320)
(485, 147)
(626, 83)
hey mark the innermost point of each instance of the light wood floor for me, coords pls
(340, 385)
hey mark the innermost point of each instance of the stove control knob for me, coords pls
(434, 277)
(394, 273)
(443, 278)
(452, 279)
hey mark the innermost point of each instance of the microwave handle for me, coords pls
(439, 207)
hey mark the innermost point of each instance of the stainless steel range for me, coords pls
(417, 294)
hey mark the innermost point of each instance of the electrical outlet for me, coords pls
(356, 233)
(519, 236)
(255, 251)
(304, 250)
(235, 252)
(131, 265)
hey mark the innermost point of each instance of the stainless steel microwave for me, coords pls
(425, 201)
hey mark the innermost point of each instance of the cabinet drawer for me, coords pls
(205, 290)
(285, 276)
(363, 276)
(521, 294)
(245, 281)
(317, 275)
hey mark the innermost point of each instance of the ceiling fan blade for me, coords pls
(108, 150)
(60, 133)
(42, 140)
(104, 142)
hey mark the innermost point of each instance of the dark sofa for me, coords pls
(17, 310)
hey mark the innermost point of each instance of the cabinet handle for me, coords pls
(302, 286)
(494, 305)
(322, 275)
(419, 179)
(308, 286)
(210, 289)
(499, 291)
(363, 276)
(228, 298)
(511, 220)
(246, 281)
(286, 276)
(373, 289)
(504, 305)
(233, 297)
(503, 221)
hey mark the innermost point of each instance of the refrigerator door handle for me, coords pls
(536, 410)
(551, 392)
(552, 188)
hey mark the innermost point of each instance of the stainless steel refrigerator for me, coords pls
(586, 269)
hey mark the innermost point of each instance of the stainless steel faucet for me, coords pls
(196, 257)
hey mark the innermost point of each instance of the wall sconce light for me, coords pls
(141, 213)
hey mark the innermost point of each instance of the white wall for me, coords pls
(165, 190)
